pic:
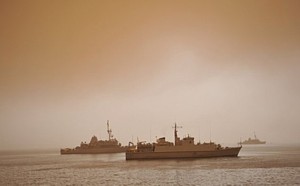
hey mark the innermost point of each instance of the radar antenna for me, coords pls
(110, 136)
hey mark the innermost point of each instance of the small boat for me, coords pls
(181, 148)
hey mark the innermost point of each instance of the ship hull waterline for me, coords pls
(229, 152)
(93, 151)
(253, 143)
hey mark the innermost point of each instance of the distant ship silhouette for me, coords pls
(97, 146)
(254, 141)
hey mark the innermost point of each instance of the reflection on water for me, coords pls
(255, 165)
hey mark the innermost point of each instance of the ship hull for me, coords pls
(253, 143)
(92, 151)
(227, 152)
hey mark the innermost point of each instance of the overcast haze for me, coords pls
(229, 67)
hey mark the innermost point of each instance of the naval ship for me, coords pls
(97, 146)
(254, 141)
(181, 148)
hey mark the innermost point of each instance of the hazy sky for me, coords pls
(229, 67)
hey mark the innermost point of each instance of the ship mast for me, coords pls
(110, 136)
(175, 133)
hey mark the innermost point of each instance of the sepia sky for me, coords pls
(221, 69)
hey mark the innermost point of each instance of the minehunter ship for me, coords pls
(183, 148)
(97, 146)
(254, 141)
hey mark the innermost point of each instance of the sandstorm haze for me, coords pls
(229, 67)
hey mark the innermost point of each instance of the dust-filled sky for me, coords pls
(221, 69)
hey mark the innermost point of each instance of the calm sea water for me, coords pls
(256, 165)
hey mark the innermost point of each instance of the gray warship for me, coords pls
(97, 146)
(254, 141)
(181, 148)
